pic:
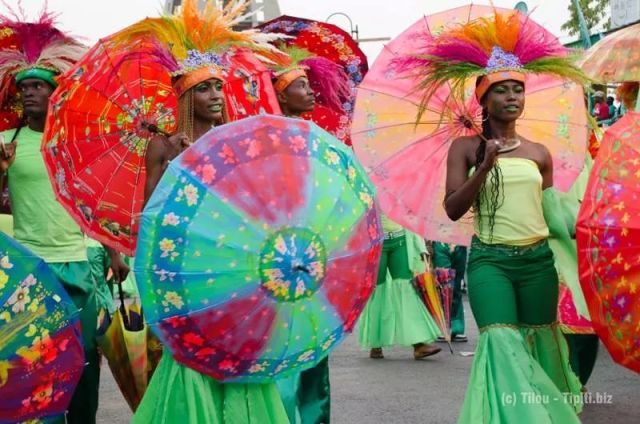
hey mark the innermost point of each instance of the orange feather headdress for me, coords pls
(505, 45)
(200, 40)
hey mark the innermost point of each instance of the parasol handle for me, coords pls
(123, 310)
(154, 129)
(300, 267)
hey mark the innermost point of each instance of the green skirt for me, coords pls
(179, 394)
(507, 385)
(395, 315)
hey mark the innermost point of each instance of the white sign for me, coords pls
(624, 12)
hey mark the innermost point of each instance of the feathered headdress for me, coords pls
(38, 50)
(328, 80)
(504, 46)
(200, 41)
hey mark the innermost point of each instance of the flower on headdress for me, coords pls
(500, 59)
(196, 59)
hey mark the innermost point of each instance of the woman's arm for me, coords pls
(547, 168)
(462, 190)
(154, 159)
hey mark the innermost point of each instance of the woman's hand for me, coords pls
(7, 155)
(119, 268)
(179, 141)
(490, 154)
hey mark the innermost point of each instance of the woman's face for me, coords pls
(298, 97)
(505, 100)
(208, 101)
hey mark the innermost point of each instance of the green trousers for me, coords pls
(79, 284)
(517, 287)
(583, 351)
(511, 285)
(453, 257)
(395, 259)
(307, 396)
(99, 262)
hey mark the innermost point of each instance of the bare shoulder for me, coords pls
(464, 144)
(537, 152)
(464, 148)
(156, 148)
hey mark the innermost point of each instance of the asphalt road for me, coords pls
(399, 389)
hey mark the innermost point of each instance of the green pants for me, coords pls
(583, 351)
(512, 285)
(307, 396)
(446, 257)
(79, 284)
(395, 259)
(99, 262)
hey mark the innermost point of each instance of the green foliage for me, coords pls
(594, 11)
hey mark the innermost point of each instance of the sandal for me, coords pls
(459, 338)
(421, 350)
(376, 353)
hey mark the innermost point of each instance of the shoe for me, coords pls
(376, 353)
(422, 350)
(441, 339)
(459, 338)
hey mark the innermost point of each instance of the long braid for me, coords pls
(495, 199)
(185, 114)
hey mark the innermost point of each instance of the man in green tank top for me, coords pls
(39, 222)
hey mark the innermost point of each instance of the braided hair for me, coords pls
(494, 197)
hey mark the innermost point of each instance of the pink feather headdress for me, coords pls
(505, 45)
(328, 80)
(36, 44)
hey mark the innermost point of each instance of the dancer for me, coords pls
(513, 285)
(307, 396)
(40, 222)
(395, 315)
(176, 392)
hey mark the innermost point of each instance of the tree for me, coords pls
(594, 11)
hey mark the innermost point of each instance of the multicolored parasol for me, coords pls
(616, 58)
(407, 161)
(258, 249)
(608, 236)
(132, 351)
(333, 43)
(97, 132)
(433, 294)
(41, 354)
(9, 107)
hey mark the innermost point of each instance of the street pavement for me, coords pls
(399, 389)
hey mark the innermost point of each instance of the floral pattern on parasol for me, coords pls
(608, 236)
(333, 43)
(41, 353)
(258, 249)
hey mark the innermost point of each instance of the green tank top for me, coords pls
(520, 220)
(40, 223)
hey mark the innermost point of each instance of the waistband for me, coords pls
(393, 234)
(506, 249)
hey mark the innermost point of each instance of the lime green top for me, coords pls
(519, 221)
(39, 222)
(389, 226)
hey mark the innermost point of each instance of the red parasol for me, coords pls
(332, 43)
(608, 236)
